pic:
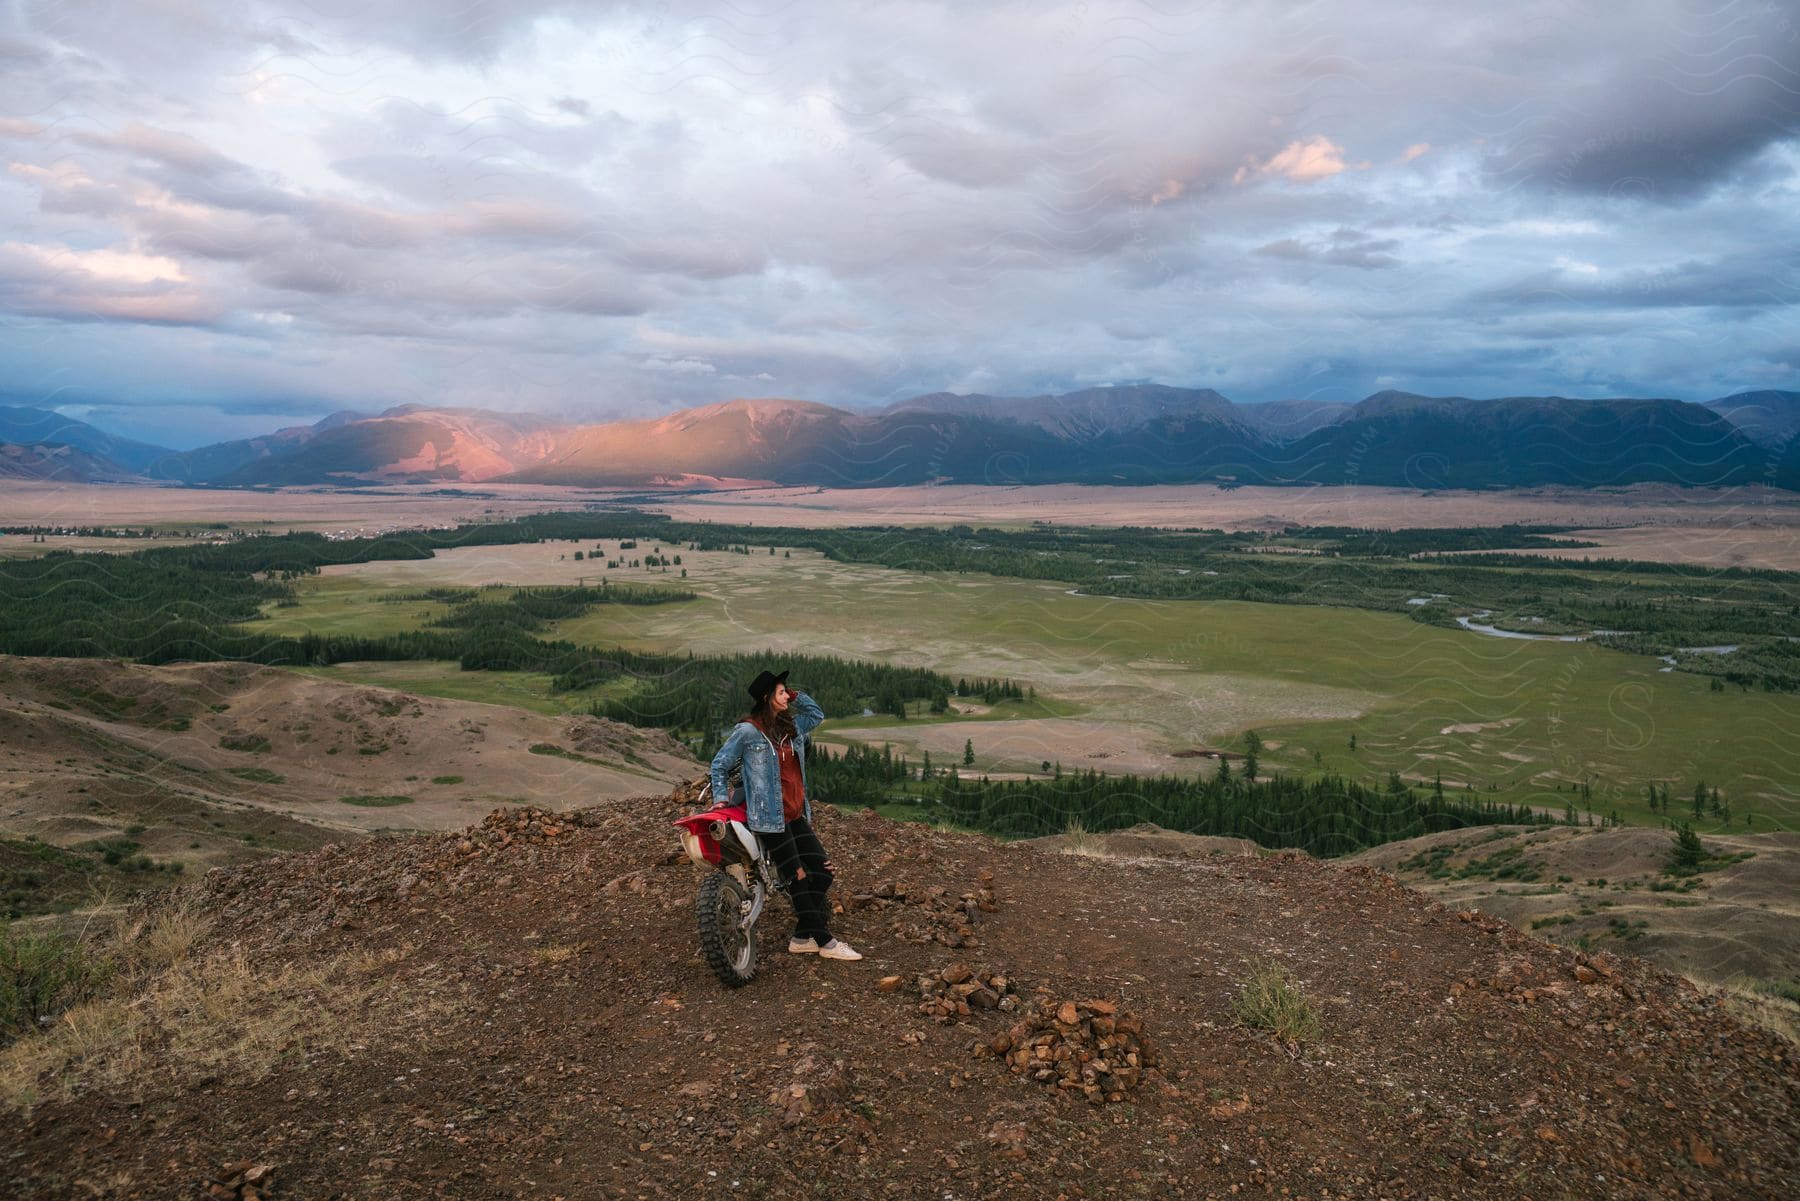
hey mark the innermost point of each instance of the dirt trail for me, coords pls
(532, 1018)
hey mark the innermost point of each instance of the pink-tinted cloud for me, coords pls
(1307, 161)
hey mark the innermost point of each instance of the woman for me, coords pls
(770, 744)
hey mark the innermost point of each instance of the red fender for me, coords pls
(700, 826)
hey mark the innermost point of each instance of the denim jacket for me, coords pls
(750, 747)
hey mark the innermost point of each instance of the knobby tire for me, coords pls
(717, 912)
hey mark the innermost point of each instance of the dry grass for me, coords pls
(1271, 999)
(1751, 1002)
(1077, 840)
(196, 1017)
(554, 954)
(162, 939)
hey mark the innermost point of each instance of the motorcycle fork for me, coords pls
(765, 884)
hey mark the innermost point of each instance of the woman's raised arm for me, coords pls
(807, 713)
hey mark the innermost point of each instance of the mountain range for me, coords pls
(1137, 434)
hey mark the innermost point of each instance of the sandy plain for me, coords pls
(1716, 527)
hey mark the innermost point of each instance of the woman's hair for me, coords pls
(780, 725)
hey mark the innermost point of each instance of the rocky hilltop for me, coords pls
(519, 1009)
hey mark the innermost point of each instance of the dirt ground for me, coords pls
(520, 1010)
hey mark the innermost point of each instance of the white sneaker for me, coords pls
(802, 946)
(837, 948)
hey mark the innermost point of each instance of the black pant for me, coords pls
(794, 848)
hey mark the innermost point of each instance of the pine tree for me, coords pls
(968, 752)
(1689, 853)
(1699, 800)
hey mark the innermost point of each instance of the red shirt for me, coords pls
(793, 784)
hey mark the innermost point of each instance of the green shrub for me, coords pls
(375, 802)
(41, 975)
(1271, 999)
(254, 744)
(1787, 990)
(446, 779)
(113, 851)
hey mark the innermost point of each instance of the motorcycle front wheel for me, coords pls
(726, 940)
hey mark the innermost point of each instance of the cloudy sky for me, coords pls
(218, 216)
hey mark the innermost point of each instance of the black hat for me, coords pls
(764, 684)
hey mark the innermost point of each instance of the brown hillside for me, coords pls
(56, 463)
(729, 440)
(520, 1010)
(199, 765)
(1739, 920)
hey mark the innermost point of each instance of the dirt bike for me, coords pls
(732, 898)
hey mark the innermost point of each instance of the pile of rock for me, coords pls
(1085, 1045)
(932, 913)
(516, 824)
(245, 1180)
(958, 991)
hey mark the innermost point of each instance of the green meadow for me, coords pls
(1141, 685)
(352, 605)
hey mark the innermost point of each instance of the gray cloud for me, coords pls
(1760, 280)
(595, 206)
(1341, 248)
(1664, 104)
